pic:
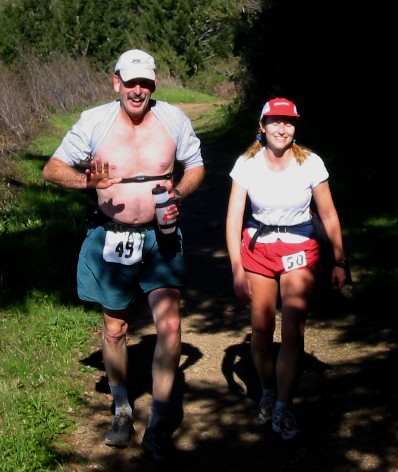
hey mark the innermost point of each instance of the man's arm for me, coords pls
(191, 180)
(59, 173)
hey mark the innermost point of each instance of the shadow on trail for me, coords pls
(139, 373)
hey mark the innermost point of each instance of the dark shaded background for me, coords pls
(335, 60)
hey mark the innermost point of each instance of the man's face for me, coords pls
(134, 95)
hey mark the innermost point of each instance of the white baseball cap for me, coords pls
(136, 64)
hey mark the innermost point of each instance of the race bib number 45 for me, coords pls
(294, 261)
(123, 248)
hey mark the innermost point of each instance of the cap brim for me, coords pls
(137, 73)
(280, 114)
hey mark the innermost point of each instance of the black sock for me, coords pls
(159, 410)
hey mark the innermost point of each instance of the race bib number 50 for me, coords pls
(123, 248)
(294, 261)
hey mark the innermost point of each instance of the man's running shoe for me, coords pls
(157, 441)
(267, 405)
(284, 422)
(120, 432)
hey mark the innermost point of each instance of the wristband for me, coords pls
(342, 263)
(177, 193)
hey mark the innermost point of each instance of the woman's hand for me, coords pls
(338, 277)
(242, 286)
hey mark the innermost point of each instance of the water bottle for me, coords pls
(162, 200)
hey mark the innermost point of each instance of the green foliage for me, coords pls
(185, 36)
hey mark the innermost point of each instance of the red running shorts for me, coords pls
(274, 259)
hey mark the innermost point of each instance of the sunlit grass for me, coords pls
(40, 342)
(181, 95)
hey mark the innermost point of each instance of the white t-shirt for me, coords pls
(279, 198)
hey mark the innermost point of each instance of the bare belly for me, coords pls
(130, 203)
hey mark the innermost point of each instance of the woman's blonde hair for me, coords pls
(300, 152)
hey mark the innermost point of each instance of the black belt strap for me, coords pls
(122, 227)
(146, 178)
(98, 218)
(261, 229)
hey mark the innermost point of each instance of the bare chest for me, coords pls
(146, 150)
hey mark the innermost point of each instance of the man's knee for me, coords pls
(169, 325)
(113, 328)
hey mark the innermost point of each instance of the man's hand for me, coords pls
(98, 175)
(173, 210)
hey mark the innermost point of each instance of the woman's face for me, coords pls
(279, 131)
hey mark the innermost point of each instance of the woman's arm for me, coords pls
(234, 224)
(330, 219)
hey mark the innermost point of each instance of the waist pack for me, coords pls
(303, 229)
(168, 243)
(313, 228)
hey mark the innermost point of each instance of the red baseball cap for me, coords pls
(279, 107)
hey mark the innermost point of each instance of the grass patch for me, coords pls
(181, 95)
(40, 342)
